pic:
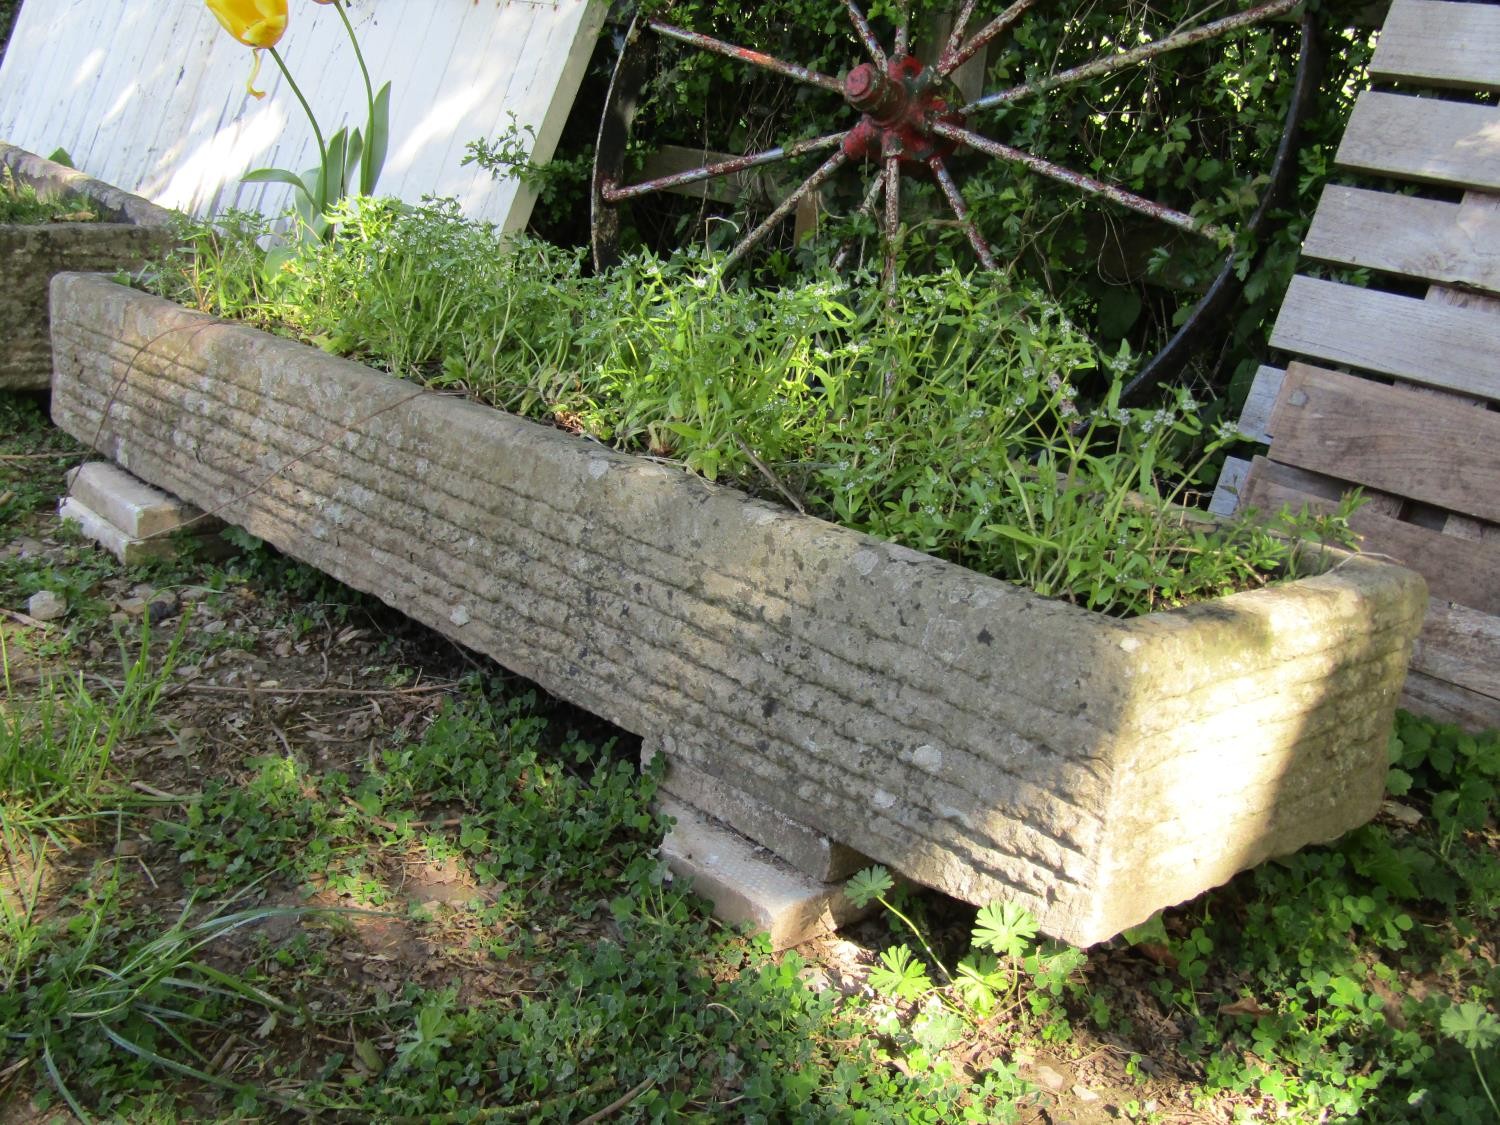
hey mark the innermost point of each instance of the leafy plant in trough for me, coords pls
(1197, 129)
(20, 203)
(946, 416)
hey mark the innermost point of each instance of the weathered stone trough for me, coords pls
(131, 231)
(976, 737)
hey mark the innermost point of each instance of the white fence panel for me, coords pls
(150, 94)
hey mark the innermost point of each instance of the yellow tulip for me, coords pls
(255, 23)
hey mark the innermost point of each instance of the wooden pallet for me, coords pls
(1394, 388)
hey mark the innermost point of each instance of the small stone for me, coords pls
(1401, 814)
(1049, 1079)
(46, 606)
(160, 609)
(815, 978)
(460, 616)
(1084, 1094)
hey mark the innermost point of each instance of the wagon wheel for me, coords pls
(906, 118)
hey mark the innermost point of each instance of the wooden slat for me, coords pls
(1226, 497)
(1462, 646)
(1422, 238)
(1475, 205)
(1255, 418)
(1424, 342)
(1449, 703)
(1439, 43)
(1458, 570)
(1424, 139)
(1392, 438)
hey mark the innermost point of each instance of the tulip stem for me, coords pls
(322, 201)
(338, 6)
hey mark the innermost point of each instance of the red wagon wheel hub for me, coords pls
(900, 104)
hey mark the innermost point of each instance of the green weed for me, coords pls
(949, 415)
(79, 985)
(20, 203)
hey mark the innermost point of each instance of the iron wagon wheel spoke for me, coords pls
(865, 33)
(1109, 63)
(786, 207)
(903, 29)
(892, 220)
(954, 56)
(720, 168)
(867, 207)
(960, 29)
(1079, 181)
(746, 54)
(960, 211)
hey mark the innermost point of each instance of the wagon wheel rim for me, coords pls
(908, 124)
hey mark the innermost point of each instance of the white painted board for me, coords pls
(149, 95)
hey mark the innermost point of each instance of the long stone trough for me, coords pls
(972, 735)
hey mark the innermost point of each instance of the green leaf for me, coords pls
(1398, 783)
(1153, 929)
(864, 887)
(274, 176)
(899, 975)
(335, 170)
(937, 1029)
(1471, 1026)
(377, 142)
(1026, 537)
(1005, 928)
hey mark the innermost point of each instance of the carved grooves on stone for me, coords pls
(1059, 857)
(1003, 761)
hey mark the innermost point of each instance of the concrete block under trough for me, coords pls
(747, 884)
(811, 852)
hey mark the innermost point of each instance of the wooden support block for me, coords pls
(1456, 349)
(1423, 139)
(1438, 43)
(1395, 439)
(749, 886)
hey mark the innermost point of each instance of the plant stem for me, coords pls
(910, 925)
(1474, 1057)
(322, 200)
(364, 165)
